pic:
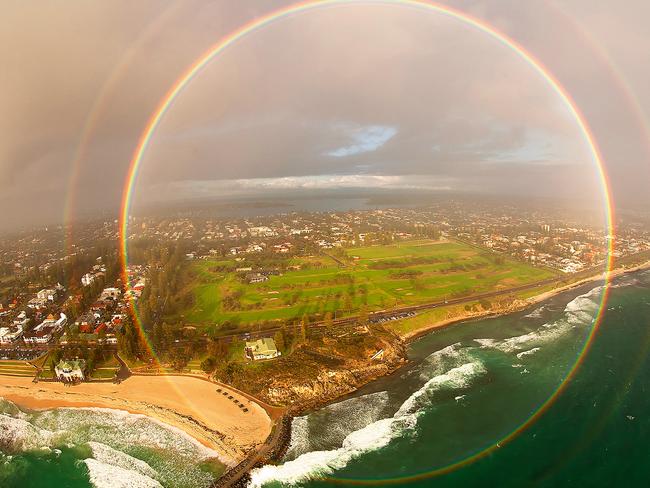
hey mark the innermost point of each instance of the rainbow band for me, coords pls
(298, 8)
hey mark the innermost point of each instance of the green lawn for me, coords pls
(106, 369)
(17, 368)
(103, 373)
(379, 277)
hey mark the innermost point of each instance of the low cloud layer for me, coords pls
(349, 96)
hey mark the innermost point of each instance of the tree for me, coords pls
(279, 340)
(233, 369)
(209, 364)
(55, 357)
(180, 358)
(304, 327)
(363, 315)
(217, 349)
(348, 303)
(328, 319)
(127, 338)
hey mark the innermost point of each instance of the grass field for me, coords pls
(17, 368)
(379, 277)
(106, 369)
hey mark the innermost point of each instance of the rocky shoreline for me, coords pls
(271, 452)
(333, 386)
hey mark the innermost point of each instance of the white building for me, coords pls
(113, 293)
(261, 231)
(10, 335)
(44, 332)
(37, 302)
(70, 370)
(87, 279)
(47, 294)
(261, 349)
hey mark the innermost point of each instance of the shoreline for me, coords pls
(523, 305)
(239, 453)
(526, 303)
(188, 404)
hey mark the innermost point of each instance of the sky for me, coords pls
(353, 96)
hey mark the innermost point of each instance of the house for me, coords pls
(37, 303)
(21, 320)
(256, 278)
(73, 370)
(41, 336)
(261, 349)
(44, 332)
(87, 279)
(86, 322)
(9, 335)
(139, 286)
(110, 293)
(47, 294)
(110, 339)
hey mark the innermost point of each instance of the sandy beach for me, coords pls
(187, 403)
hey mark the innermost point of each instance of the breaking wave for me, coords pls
(107, 455)
(373, 436)
(17, 434)
(443, 360)
(342, 418)
(104, 475)
(141, 451)
(530, 352)
(536, 314)
(579, 312)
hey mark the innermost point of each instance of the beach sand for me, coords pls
(184, 402)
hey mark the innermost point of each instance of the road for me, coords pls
(411, 308)
(393, 311)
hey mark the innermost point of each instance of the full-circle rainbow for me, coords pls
(195, 68)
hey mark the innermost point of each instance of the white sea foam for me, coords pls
(452, 351)
(107, 455)
(341, 419)
(371, 437)
(122, 428)
(299, 442)
(535, 314)
(443, 360)
(530, 352)
(104, 475)
(579, 312)
(19, 435)
(111, 434)
(459, 377)
(318, 463)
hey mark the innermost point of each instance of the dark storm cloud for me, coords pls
(369, 96)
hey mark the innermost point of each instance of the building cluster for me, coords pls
(40, 320)
(36, 315)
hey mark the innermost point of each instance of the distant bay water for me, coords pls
(466, 387)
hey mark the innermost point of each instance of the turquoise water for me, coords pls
(97, 447)
(471, 385)
(466, 388)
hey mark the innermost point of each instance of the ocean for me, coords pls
(470, 386)
(466, 389)
(102, 448)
